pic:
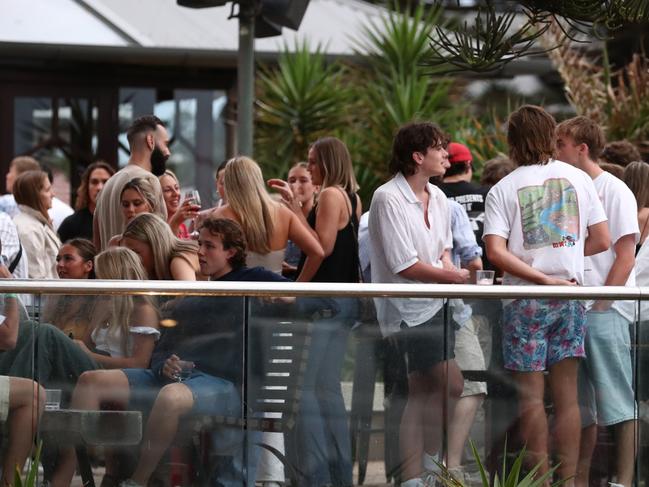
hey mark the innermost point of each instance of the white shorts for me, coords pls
(4, 397)
(469, 356)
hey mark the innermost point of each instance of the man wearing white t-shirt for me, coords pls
(606, 375)
(410, 240)
(540, 222)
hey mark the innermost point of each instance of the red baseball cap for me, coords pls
(458, 153)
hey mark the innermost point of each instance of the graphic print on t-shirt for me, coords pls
(549, 214)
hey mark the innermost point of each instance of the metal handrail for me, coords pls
(274, 289)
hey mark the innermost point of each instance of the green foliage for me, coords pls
(401, 89)
(304, 97)
(496, 36)
(510, 476)
(299, 100)
(32, 474)
(486, 137)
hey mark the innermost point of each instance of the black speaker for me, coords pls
(266, 28)
(201, 3)
(287, 13)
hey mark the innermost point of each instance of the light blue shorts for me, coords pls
(606, 376)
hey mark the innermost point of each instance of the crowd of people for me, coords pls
(564, 208)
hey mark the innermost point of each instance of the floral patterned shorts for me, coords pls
(538, 333)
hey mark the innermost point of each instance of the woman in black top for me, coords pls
(79, 224)
(322, 432)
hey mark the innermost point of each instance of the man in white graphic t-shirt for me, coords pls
(540, 221)
(606, 375)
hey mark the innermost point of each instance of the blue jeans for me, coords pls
(321, 435)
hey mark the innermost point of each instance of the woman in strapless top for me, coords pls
(268, 225)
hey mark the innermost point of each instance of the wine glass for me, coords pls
(194, 196)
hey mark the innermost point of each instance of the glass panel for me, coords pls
(642, 388)
(195, 120)
(21, 399)
(60, 133)
(313, 378)
(163, 404)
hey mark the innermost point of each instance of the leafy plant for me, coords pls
(510, 476)
(486, 136)
(496, 36)
(299, 100)
(32, 475)
(618, 101)
(395, 88)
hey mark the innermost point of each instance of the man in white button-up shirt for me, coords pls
(410, 236)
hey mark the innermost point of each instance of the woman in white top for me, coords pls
(33, 193)
(267, 224)
(125, 329)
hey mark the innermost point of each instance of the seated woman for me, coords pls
(124, 328)
(163, 255)
(71, 314)
(21, 400)
(124, 332)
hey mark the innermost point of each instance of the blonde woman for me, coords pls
(267, 224)
(163, 255)
(177, 213)
(138, 196)
(33, 193)
(125, 329)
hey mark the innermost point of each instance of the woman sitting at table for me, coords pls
(72, 314)
(124, 334)
(124, 328)
(163, 255)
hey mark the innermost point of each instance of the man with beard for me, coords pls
(148, 140)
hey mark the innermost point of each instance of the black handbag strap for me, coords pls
(14, 263)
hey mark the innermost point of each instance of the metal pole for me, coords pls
(246, 76)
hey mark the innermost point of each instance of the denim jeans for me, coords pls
(321, 435)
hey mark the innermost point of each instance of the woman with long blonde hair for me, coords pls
(267, 224)
(177, 213)
(163, 255)
(124, 328)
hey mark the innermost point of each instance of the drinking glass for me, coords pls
(186, 368)
(484, 278)
(194, 196)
